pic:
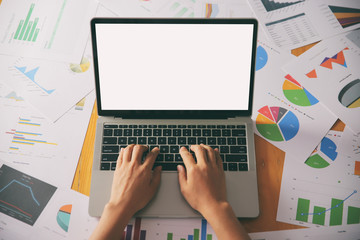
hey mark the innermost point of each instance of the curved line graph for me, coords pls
(15, 181)
(337, 205)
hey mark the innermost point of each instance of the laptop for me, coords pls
(169, 83)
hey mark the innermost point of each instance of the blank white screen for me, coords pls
(174, 66)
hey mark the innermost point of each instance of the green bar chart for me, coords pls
(27, 29)
(335, 213)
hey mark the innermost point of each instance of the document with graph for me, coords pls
(53, 30)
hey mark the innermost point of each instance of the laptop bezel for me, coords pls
(173, 114)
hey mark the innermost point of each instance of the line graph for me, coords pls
(23, 197)
(30, 189)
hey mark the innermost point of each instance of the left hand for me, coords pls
(134, 183)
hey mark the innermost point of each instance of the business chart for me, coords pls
(23, 197)
(211, 10)
(261, 57)
(82, 67)
(346, 16)
(272, 5)
(63, 217)
(323, 155)
(296, 93)
(349, 95)
(277, 123)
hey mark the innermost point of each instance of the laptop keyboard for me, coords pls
(229, 139)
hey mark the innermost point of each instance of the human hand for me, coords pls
(203, 183)
(134, 183)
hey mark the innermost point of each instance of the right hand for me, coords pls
(202, 183)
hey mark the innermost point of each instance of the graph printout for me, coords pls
(320, 196)
(330, 71)
(285, 22)
(22, 196)
(285, 113)
(53, 30)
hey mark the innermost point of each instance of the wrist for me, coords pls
(118, 211)
(216, 208)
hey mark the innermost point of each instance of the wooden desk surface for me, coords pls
(269, 160)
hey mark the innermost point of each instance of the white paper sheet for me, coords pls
(51, 87)
(52, 30)
(319, 197)
(330, 70)
(33, 144)
(293, 121)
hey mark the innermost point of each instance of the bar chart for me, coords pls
(317, 214)
(27, 29)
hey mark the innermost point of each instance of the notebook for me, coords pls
(169, 83)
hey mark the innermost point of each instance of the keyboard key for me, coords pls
(157, 132)
(174, 149)
(118, 132)
(162, 126)
(171, 140)
(201, 126)
(152, 140)
(206, 133)
(177, 132)
(220, 126)
(241, 141)
(211, 126)
(225, 166)
(231, 141)
(168, 166)
(162, 140)
(128, 132)
(152, 126)
(110, 149)
(235, 158)
(181, 126)
(113, 166)
(240, 126)
(105, 166)
(123, 126)
(191, 126)
(133, 126)
(122, 140)
(169, 157)
(108, 132)
(238, 133)
(147, 132)
(151, 147)
(214, 146)
(160, 157)
(186, 132)
(224, 149)
(191, 140)
(109, 140)
(110, 126)
(164, 149)
(132, 140)
(171, 126)
(178, 158)
(137, 132)
(196, 132)
(221, 141)
(202, 140)
(243, 167)
(143, 126)
(233, 166)
(225, 133)
(216, 133)
(181, 141)
(142, 140)
(238, 149)
(230, 126)
(109, 157)
(167, 132)
(211, 141)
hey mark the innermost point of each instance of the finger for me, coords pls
(219, 161)
(128, 153)
(211, 157)
(120, 158)
(182, 177)
(150, 158)
(187, 157)
(138, 153)
(156, 178)
(200, 154)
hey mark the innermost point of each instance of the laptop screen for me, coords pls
(174, 65)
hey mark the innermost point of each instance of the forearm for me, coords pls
(112, 223)
(224, 222)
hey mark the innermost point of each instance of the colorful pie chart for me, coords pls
(63, 217)
(277, 123)
(82, 67)
(323, 155)
(296, 93)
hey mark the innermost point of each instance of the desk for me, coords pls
(269, 164)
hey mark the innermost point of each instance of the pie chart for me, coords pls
(277, 123)
(296, 93)
(349, 96)
(63, 217)
(82, 67)
(323, 155)
(261, 58)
